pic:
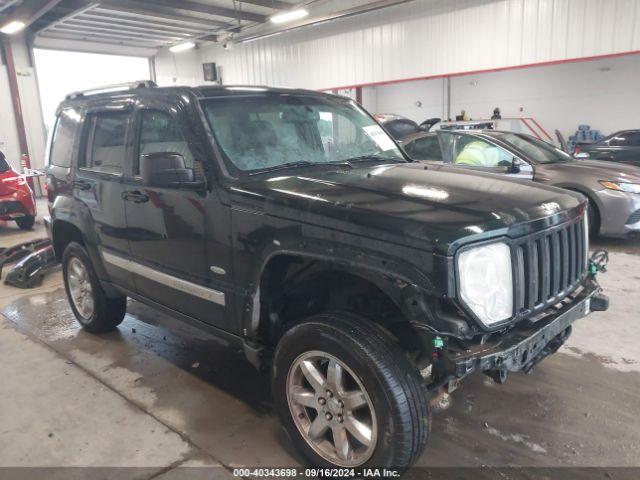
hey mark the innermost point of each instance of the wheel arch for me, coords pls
(593, 200)
(295, 285)
(62, 233)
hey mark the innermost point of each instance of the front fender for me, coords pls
(409, 277)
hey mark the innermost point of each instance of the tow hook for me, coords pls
(598, 262)
(498, 376)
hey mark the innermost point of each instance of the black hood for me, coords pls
(435, 209)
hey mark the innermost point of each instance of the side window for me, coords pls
(63, 138)
(427, 148)
(628, 139)
(475, 152)
(160, 133)
(106, 150)
(634, 140)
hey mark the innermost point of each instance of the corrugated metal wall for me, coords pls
(427, 38)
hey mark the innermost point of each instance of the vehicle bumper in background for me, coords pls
(10, 209)
(619, 212)
(47, 227)
(525, 346)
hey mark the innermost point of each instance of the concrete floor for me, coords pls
(159, 396)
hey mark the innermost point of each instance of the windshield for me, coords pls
(4, 166)
(265, 131)
(536, 150)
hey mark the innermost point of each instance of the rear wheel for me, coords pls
(26, 222)
(347, 394)
(92, 308)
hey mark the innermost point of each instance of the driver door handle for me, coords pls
(135, 196)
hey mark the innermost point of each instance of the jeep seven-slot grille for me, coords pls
(549, 266)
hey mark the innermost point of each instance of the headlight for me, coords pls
(486, 282)
(621, 187)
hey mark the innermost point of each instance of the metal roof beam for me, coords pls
(9, 4)
(30, 10)
(275, 4)
(185, 7)
(71, 8)
(90, 17)
(81, 23)
(63, 27)
(130, 42)
(137, 8)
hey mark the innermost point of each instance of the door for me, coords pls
(477, 153)
(168, 228)
(98, 184)
(621, 147)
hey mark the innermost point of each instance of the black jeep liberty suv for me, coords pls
(289, 223)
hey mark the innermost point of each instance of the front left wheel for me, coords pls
(348, 396)
(26, 222)
(94, 310)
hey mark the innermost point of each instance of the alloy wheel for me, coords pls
(331, 409)
(80, 288)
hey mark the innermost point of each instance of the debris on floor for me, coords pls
(34, 259)
(17, 252)
(29, 272)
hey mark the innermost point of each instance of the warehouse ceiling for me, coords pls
(141, 23)
(144, 26)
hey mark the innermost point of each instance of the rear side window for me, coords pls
(105, 149)
(63, 138)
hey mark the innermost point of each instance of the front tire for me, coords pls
(348, 396)
(26, 222)
(95, 312)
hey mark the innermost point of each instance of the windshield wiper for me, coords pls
(347, 163)
(373, 156)
(284, 166)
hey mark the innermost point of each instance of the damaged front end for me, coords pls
(519, 348)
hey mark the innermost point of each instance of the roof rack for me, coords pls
(113, 88)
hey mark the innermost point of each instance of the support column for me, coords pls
(15, 98)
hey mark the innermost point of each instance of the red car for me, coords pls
(17, 201)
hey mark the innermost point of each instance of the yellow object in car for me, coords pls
(478, 154)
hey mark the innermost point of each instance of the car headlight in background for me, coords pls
(621, 186)
(486, 282)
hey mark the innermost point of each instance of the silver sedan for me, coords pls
(613, 189)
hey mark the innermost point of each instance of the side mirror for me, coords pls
(166, 170)
(519, 166)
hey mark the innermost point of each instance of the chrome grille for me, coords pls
(549, 266)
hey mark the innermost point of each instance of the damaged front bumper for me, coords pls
(523, 347)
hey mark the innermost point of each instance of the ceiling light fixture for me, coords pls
(12, 27)
(182, 47)
(289, 16)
